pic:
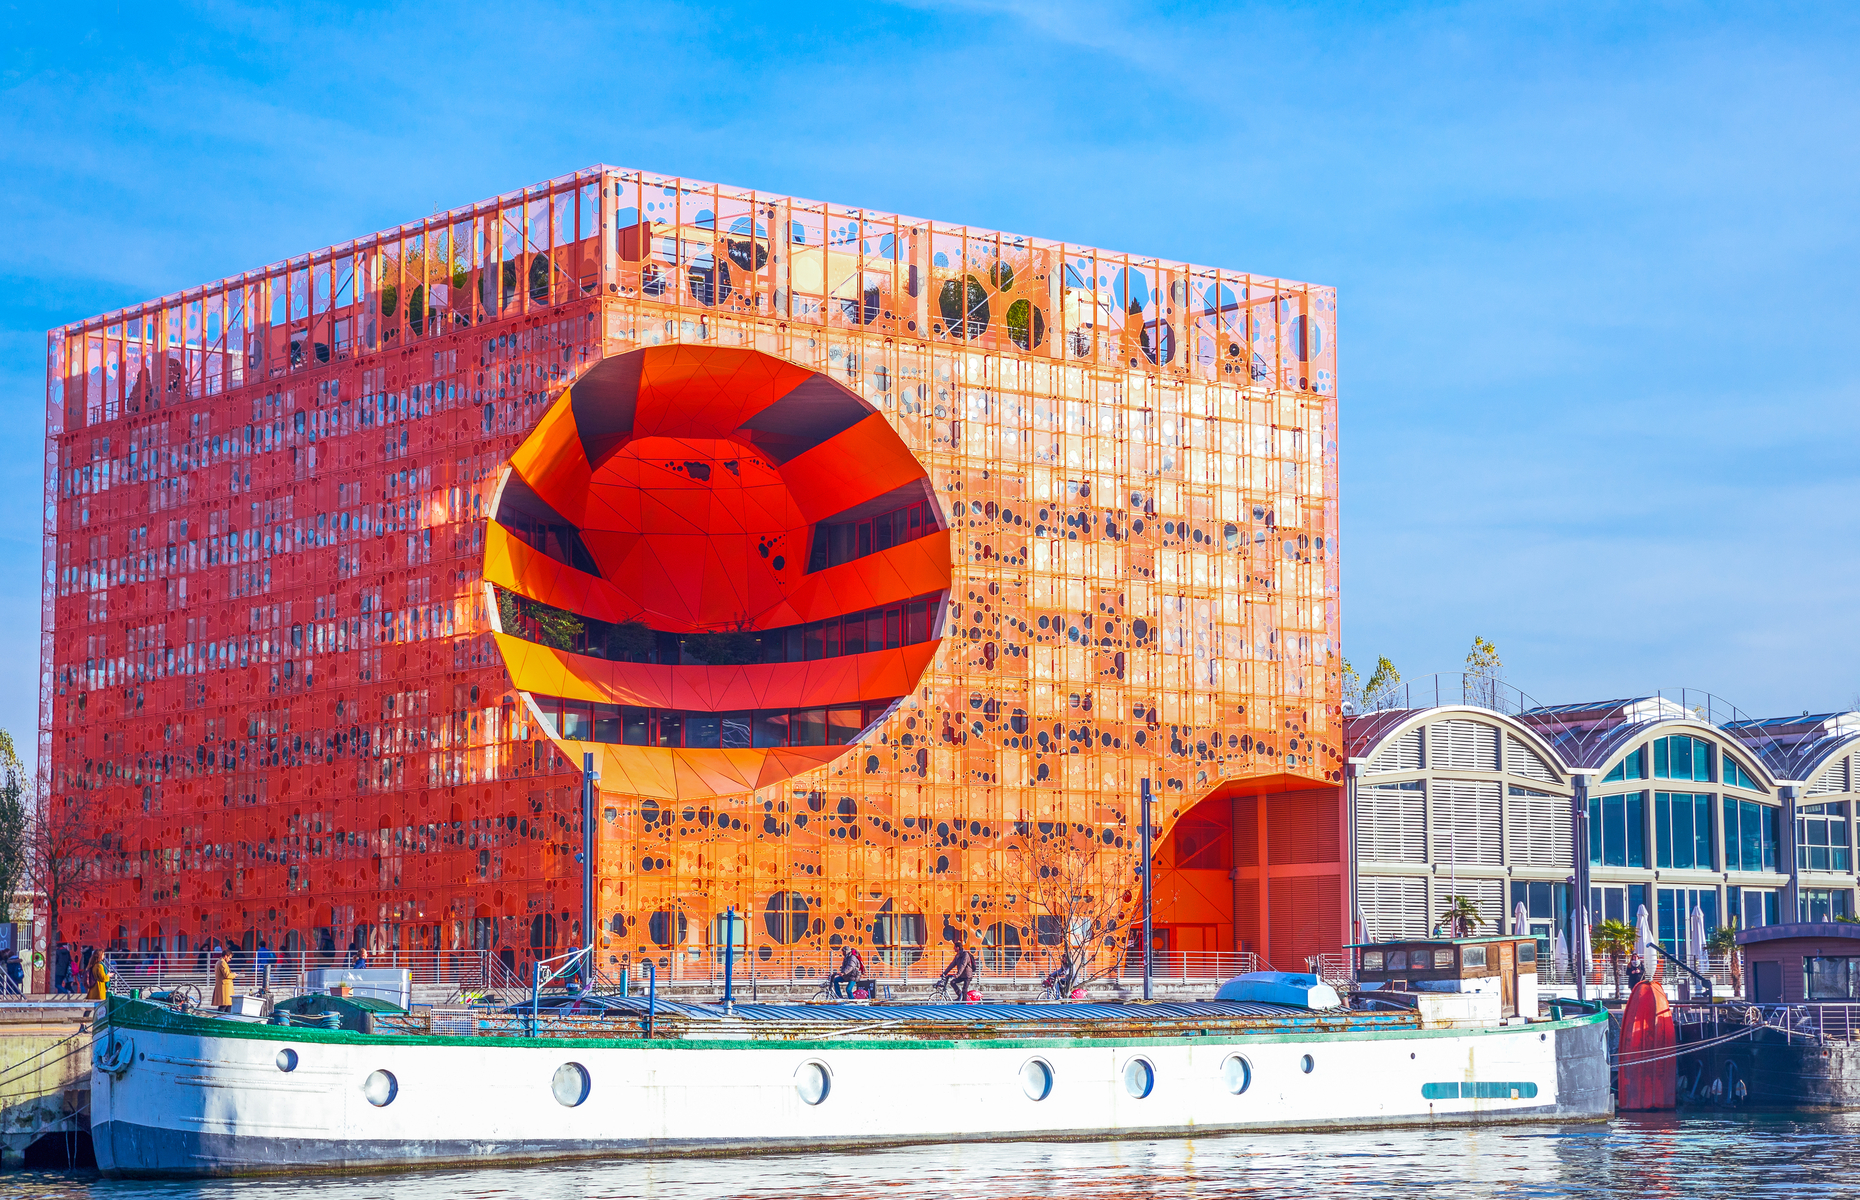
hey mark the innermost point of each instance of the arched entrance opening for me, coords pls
(1254, 867)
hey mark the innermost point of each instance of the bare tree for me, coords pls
(63, 844)
(1081, 897)
(15, 826)
(1482, 674)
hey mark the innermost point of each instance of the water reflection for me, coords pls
(1776, 1157)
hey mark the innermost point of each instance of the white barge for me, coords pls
(200, 1094)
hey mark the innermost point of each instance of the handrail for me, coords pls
(1710, 993)
(579, 962)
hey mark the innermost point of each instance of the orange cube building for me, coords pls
(858, 550)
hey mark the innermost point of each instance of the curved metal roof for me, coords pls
(1798, 747)
(1588, 735)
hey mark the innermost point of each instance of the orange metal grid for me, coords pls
(269, 656)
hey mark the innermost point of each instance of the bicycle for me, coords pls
(857, 989)
(944, 992)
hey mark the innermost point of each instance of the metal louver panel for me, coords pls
(1465, 746)
(1394, 907)
(1391, 825)
(1404, 753)
(1837, 778)
(1540, 834)
(1527, 762)
(1466, 822)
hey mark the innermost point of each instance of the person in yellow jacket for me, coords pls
(98, 976)
(223, 982)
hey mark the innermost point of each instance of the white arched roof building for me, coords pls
(1672, 800)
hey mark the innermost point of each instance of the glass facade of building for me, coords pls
(862, 551)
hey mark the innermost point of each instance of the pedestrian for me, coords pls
(1635, 972)
(223, 982)
(15, 973)
(264, 958)
(98, 973)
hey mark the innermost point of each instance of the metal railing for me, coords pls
(898, 968)
(1715, 967)
(465, 972)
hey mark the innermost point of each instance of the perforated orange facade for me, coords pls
(854, 547)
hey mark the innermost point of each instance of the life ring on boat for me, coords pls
(113, 1055)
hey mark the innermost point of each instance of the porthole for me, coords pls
(813, 1081)
(380, 1088)
(570, 1084)
(1036, 1079)
(287, 1059)
(1307, 1064)
(1237, 1074)
(1139, 1078)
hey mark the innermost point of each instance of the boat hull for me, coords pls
(197, 1100)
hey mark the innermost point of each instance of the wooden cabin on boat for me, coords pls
(1506, 965)
(1802, 963)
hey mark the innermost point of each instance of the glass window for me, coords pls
(875, 629)
(701, 730)
(1750, 835)
(1634, 766)
(577, 720)
(1372, 959)
(1682, 830)
(1472, 956)
(1824, 904)
(830, 635)
(852, 635)
(1736, 776)
(607, 722)
(551, 710)
(1443, 960)
(844, 724)
(733, 731)
(1831, 978)
(771, 729)
(815, 636)
(893, 626)
(917, 623)
(635, 726)
(1398, 960)
(1821, 837)
(671, 729)
(810, 727)
(1617, 830)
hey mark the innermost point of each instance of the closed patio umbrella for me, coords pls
(1559, 954)
(1520, 920)
(1647, 947)
(1695, 938)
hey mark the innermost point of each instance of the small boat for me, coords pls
(1280, 987)
(347, 1086)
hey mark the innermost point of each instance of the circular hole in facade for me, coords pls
(287, 1059)
(380, 1088)
(1307, 1064)
(1139, 1077)
(570, 1085)
(813, 1081)
(1237, 1074)
(1036, 1079)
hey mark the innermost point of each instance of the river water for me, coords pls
(1746, 1157)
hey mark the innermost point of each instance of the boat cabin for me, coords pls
(1802, 963)
(1506, 965)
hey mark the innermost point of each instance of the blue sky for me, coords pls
(1597, 263)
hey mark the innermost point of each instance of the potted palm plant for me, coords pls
(1615, 939)
(1461, 917)
(1723, 940)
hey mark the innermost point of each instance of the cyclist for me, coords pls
(960, 972)
(852, 969)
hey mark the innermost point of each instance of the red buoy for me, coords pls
(1649, 1070)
